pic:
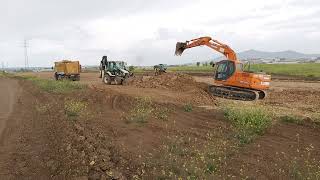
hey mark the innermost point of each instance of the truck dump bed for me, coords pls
(67, 67)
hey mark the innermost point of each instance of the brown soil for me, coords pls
(273, 156)
(42, 142)
(171, 81)
(175, 82)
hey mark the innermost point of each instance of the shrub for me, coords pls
(248, 121)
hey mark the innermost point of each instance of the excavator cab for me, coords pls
(224, 70)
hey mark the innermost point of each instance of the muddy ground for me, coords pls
(40, 140)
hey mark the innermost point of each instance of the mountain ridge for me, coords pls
(257, 54)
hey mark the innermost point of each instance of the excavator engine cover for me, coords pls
(180, 47)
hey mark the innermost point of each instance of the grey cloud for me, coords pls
(60, 23)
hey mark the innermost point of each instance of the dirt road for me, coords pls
(9, 91)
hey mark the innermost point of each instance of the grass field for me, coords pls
(191, 68)
(304, 70)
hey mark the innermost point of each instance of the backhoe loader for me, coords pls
(113, 71)
(232, 81)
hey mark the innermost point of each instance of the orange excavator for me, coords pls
(229, 75)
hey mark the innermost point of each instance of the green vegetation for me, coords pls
(162, 113)
(316, 118)
(191, 69)
(131, 68)
(309, 169)
(302, 164)
(74, 108)
(141, 110)
(291, 119)
(43, 108)
(185, 157)
(188, 107)
(63, 86)
(4, 74)
(309, 70)
(305, 70)
(248, 121)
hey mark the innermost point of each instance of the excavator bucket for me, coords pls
(180, 47)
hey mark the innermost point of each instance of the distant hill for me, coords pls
(254, 54)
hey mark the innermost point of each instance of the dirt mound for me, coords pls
(185, 85)
(170, 81)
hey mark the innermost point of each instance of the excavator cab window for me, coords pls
(224, 70)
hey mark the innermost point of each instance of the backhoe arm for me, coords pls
(207, 41)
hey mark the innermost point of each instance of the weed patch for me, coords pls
(291, 119)
(74, 108)
(248, 121)
(43, 108)
(301, 165)
(188, 107)
(162, 113)
(184, 157)
(141, 111)
(63, 86)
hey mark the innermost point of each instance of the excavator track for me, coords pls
(236, 93)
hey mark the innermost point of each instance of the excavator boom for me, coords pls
(207, 41)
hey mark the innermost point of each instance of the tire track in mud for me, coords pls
(9, 90)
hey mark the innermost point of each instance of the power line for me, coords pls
(26, 60)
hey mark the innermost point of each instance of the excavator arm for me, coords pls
(207, 41)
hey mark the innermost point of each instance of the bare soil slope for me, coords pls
(102, 143)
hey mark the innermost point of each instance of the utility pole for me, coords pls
(26, 61)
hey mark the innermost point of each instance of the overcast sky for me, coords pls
(144, 32)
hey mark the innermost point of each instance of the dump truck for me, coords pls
(67, 70)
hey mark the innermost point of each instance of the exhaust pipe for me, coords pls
(180, 47)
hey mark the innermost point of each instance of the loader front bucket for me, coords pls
(180, 47)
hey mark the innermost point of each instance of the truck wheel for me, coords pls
(77, 78)
(107, 79)
(56, 76)
(60, 77)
